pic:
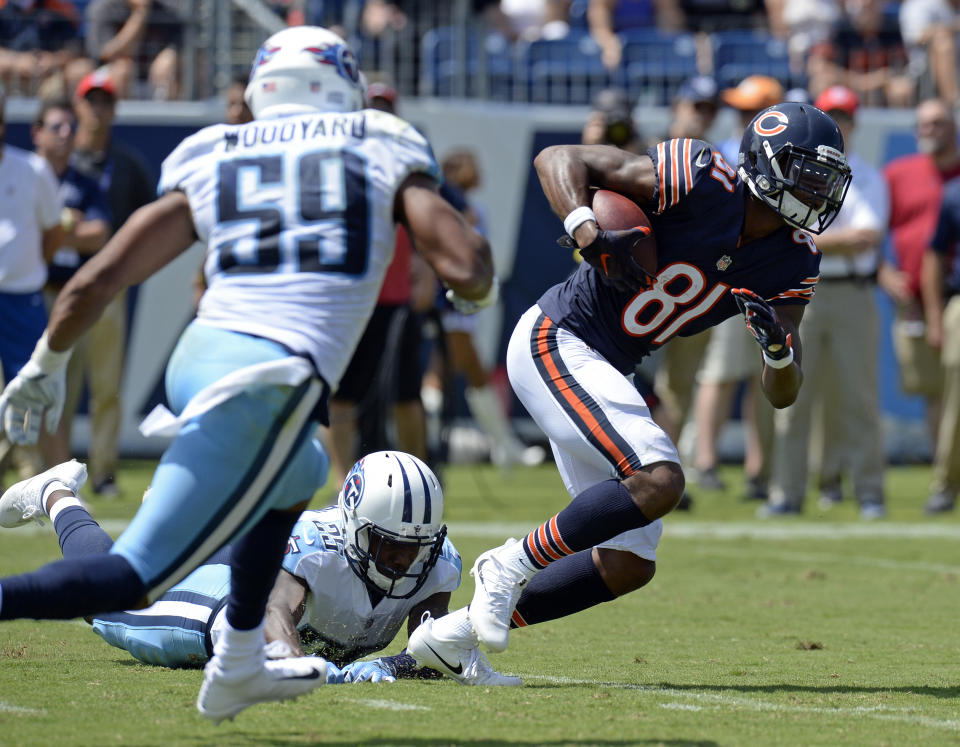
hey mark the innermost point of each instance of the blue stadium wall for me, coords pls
(521, 226)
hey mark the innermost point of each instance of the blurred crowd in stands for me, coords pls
(558, 51)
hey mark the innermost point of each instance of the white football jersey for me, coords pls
(297, 215)
(339, 621)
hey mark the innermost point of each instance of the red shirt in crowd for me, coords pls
(916, 185)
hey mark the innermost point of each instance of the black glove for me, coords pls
(611, 254)
(763, 324)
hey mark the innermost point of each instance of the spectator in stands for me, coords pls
(122, 173)
(707, 16)
(460, 171)
(915, 183)
(929, 29)
(694, 108)
(385, 367)
(865, 53)
(133, 36)
(86, 227)
(610, 122)
(729, 361)
(37, 39)
(804, 24)
(237, 110)
(840, 348)
(940, 285)
(528, 19)
(606, 18)
(30, 233)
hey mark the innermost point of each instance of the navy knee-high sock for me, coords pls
(570, 585)
(600, 512)
(78, 587)
(253, 568)
(79, 534)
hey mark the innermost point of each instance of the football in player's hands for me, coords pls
(615, 212)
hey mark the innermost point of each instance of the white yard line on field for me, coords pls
(717, 701)
(8, 708)
(718, 530)
(735, 530)
(388, 705)
(811, 557)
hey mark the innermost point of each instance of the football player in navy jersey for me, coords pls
(729, 238)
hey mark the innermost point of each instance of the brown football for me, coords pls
(615, 212)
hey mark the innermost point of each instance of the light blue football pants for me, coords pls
(175, 630)
(228, 466)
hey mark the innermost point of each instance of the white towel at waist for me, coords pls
(290, 371)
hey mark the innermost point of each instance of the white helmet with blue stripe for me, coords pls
(392, 501)
(304, 69)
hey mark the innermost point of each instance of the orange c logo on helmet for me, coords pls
(780, 126)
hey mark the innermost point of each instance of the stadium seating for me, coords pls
(737, 54)
(656, 63)
(447, 72)
(563, 71)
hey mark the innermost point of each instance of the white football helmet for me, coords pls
(304, 69)
(392, 498)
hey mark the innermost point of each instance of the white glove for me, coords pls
(471, 306)
(36, 392)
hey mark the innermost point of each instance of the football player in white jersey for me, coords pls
(351, 575)
(298, 210)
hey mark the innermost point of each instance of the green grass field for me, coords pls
(822, 630)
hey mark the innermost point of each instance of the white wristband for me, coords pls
(778, 362)
(49, 360)
(576, 218)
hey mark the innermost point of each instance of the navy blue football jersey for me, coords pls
(697, 213)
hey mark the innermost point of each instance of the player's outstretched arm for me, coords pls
(567, 172)
(777, 331)
(285, 608)
(782, 385)
(153, 236)
(457, 253)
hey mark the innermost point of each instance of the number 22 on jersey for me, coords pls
(292, 212)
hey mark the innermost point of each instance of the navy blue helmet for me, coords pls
(791, 158)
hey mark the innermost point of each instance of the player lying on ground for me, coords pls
(298, 210)
(728, 240)
(351, 575)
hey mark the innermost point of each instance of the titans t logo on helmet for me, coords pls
(353, 490)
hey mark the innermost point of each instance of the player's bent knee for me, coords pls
(657, 488)
(622, 571)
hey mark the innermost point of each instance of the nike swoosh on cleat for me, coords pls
(314, 675)
(455, 669)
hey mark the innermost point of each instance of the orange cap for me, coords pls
(754, 92)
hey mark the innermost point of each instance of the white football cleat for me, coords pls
(222, 696)
(24, 500)
(498, 582)
(465, 664)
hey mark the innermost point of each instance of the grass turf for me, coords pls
(818, 630)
